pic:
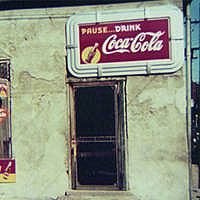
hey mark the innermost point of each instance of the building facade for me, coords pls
(121, 136)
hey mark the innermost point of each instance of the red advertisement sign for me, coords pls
(3, 114)
(124, 41)
(7, 170)
(3, 89)
(3, 98)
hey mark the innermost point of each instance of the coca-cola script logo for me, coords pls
(124, 41)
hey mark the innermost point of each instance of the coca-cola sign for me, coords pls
(124, 41)
(133, 41)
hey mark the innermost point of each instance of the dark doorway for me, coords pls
(97, 137)
(95, 132)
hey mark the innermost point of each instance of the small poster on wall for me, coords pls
(7, 171)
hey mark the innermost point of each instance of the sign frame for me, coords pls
(157, 66)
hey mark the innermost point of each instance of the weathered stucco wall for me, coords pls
(157, 135)
(38, 105)
(35, 42)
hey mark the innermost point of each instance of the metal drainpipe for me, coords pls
(188, 87)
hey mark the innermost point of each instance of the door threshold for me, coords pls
(98, 195)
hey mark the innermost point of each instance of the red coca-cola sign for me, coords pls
(133, 41)
(124, 41)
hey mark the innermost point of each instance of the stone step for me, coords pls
(98, 195)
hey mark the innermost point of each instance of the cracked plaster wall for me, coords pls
(157, 152)
(157, 133)
(37, 50)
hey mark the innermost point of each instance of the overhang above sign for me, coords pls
(125, 42)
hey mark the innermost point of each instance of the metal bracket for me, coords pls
(99, 70)
(145, 13)
(70, 46)
(148, 68)
(98, 17)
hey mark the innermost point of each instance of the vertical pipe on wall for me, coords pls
(188, 87)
